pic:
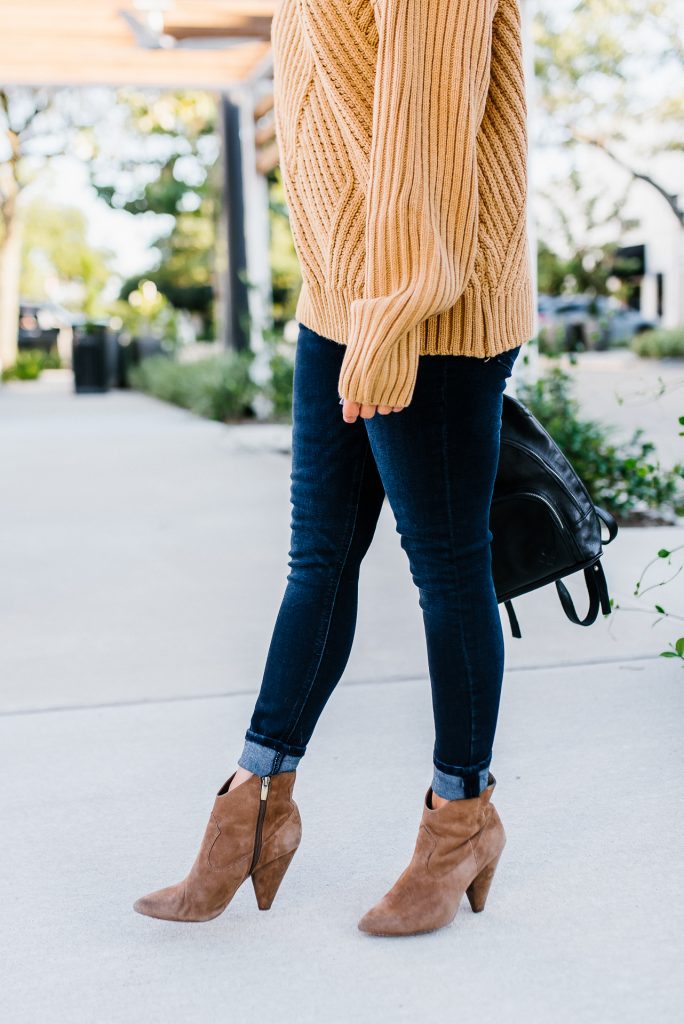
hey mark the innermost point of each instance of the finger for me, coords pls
(398, 408)
(368, 411)
(384, 409)
(350, 411)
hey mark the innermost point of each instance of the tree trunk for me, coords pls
(10, 266)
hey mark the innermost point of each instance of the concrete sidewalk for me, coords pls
(144, 560)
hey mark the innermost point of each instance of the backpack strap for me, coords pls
(609, 521)
(598, 596)
(513, 619)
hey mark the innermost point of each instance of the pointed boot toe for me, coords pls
(164, 904)
(404, 912)
(372, 921)
(253, 830)
(379, 920)
(150, 905)
(146, 905)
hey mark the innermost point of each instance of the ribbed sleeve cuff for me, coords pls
(377, 370)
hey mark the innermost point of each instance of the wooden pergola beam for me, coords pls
(88, 42)
(152, 68)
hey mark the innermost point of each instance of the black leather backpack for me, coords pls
(544, 524)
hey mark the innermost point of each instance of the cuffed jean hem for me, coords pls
(459, 787)
(261, 759)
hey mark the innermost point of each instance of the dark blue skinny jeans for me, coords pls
(436, 461)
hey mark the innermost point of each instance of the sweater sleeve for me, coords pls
(431, 84)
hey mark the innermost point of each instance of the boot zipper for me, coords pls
(265, 782)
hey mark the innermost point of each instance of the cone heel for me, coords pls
(266, 880)
(478, 890)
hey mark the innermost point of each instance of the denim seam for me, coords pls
(291, 726)
(447, 479)
(445, 784)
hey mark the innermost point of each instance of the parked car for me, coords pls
(625, 322)
(575, 323)
(45, 326)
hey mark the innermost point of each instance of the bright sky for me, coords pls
(128, 236)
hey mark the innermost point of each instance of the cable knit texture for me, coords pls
(402, 132)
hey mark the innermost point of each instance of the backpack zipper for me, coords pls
(540, 497)
(552, 472)
(265, 782)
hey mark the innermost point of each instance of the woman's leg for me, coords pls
(437, 461)
(255, 828)
(336, 497)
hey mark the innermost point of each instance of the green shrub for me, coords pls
(279, 388)
(660, 344)
(30, 364)
(550, 342)
(51, 360)
(218, 388)
(163, 378)
(622, 477)
(222, 387)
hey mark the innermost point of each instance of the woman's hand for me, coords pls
(351, 410)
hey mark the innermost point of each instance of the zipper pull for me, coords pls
(264, 786)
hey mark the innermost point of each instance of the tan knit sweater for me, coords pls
(401, 126)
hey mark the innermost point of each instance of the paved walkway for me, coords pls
(624, 391)
(144, 556)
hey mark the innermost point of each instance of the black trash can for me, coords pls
(575, 337)
(94, 358)
(126, 360)
(131, 352)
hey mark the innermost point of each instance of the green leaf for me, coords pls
(663, 553)
(659, 608)
(668, 654)
(679, 646)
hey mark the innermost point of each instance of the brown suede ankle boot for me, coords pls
(456, 852)
(254, 830)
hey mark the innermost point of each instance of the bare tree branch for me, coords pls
(670, 198)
